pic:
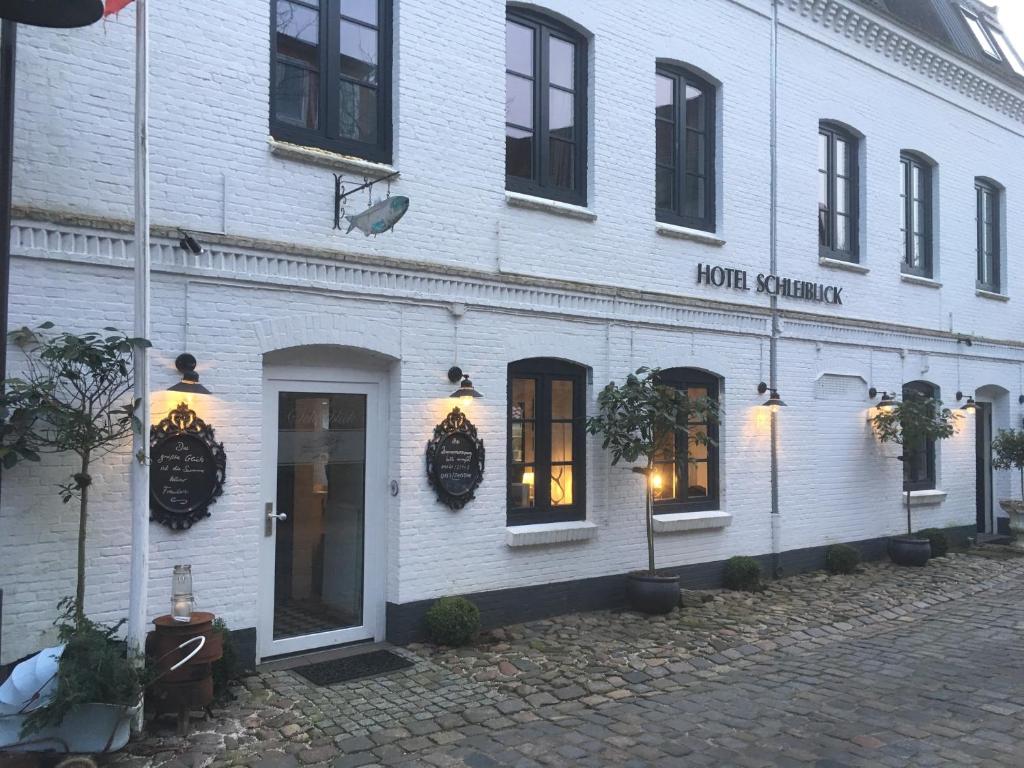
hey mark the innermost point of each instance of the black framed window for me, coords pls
(837, 193)
(330, 84)
(684, 117)
(916, 214)
(919, 457)
(989, 247)
(545, 108)
(688, 470)
(546, 441)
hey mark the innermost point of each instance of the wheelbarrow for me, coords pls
(89, 729)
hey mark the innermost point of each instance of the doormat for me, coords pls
(353, 667)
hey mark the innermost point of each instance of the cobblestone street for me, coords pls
(887, 667)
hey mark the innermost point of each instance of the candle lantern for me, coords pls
(182, 601)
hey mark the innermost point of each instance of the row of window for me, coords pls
(332, 89)
(546, 472)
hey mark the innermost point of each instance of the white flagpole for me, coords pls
(139, 574)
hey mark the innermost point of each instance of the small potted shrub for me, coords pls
(917, 418)
(453, 621)
(631, 418)
(842, 559)
(742, 574)
(1008, 453)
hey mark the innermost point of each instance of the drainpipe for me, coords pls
(773, 357)
(9, 30)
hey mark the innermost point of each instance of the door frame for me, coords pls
(984, 491)
(340, 380)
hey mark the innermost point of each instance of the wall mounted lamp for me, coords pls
(189, 243)
(970, 406)
(466, 388)
(887, 403)
(774, 402)
(186, 365)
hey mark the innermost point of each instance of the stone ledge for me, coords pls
(519, 200)
(926, 498)
(849, 266)
(927, 282)
(326, 159)
(549, 533)
(686, 233)
(692, 521)
(990, 295)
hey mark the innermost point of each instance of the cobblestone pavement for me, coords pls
(887, 667)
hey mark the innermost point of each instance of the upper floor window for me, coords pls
(981, 33)
(989, 247)
(687, 466)
(331, 75)
(546, 441)
(919, 457)
(837, 193)
(545, 108)
(916, 214)
(685, 155)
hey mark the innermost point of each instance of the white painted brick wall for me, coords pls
(209, 136)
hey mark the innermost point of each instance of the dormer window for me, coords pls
(981, 33)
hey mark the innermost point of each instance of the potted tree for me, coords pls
(631, 418)
(915, 420)
(1008, 453)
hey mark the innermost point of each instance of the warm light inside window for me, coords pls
(656, 481)
(528, 477)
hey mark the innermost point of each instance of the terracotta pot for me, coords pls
(652, 593)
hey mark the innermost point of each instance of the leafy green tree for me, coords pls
(72, 397)
(634, 415)
(916, 419)
(1008, 452)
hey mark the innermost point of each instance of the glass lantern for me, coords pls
(182, 601)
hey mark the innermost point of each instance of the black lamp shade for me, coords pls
(466, 389)
(773, 401)
(59, 14)
(186, 365)
(970, 405)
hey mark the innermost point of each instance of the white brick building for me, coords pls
(486, 269)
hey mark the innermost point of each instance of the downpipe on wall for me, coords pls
(773, 357)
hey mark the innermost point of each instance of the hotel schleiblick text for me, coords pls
(773, 285)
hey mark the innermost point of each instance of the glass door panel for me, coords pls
(321, 483)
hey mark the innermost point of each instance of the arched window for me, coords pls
(546, 441)
(919, 457)
(916, 214)
(685, 156)
(688, 469)
(837, 193)
(990, 261)
(545, 108)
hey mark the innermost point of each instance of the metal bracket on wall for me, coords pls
(340, 193)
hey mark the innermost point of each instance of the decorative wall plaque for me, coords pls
(186, 473)
(455, 460)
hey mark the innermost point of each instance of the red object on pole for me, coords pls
(113, 6)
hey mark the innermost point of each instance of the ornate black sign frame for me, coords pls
(455, 460)
(182, 431)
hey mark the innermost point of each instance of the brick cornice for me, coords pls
(899, 45)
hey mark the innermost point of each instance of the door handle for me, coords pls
(270, 517)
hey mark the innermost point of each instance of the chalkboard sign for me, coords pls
(186, 473)
(455, 460)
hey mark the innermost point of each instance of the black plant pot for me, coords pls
(910, 551)
(652, 592)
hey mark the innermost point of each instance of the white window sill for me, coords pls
(990, 295)
(849, 266)
(927, 282)
(692, 521)
(519, 200)
(549, 533)
(326, 159)
(685, 233)
(925, 498)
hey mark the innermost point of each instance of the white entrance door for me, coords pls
(322, 559)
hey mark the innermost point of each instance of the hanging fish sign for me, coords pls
(379, 217)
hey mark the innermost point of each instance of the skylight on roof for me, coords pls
(1009, 52)
(981, 34)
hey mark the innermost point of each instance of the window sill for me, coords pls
(849, 266)
(990, 295)
(692, 521)
(685, 233)
(549, 533)
(326, 159)
(925, 498)
(927, 282)
(519, 200)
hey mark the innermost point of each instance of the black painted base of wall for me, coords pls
(405, 621)
(245, 647)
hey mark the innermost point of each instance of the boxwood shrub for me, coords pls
(742, 573)
(841, 558)
(938, 539)
(453, 621)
